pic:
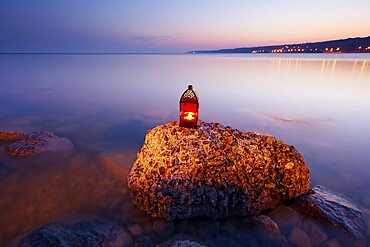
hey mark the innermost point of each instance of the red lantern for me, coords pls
(189, 106)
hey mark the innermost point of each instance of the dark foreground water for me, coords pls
(105, 104)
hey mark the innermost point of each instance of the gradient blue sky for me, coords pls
(174, 26)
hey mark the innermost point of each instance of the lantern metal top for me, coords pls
(189, 94)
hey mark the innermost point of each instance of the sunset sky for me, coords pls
(174, 26)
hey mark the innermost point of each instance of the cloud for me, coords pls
(152, 38)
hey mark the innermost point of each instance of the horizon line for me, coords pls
(89, 53)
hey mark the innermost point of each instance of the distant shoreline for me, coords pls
(186, 53)
(349, 45)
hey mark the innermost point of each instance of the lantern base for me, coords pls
(188, 124)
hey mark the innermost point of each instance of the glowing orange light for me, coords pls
(338, 49)
(189, 115)
(189, 106)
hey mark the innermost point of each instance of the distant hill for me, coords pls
(350, 45)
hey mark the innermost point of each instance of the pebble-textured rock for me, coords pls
(81, 234)
(214, 171)
(336, 210)
(38, 142)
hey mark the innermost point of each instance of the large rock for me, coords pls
(82, 234)
(214, 171)
(38, 142)
(336, 210)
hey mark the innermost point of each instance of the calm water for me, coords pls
(106, 103)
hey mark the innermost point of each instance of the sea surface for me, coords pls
(105, 104)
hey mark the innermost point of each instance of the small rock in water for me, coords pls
(10, 136)
(182, 240)
(314, 232)
(135, 230)
(299, 238)
(337, 211)
(38, 142)
(81, 234)
(264, 229)
(284, 216)
(332, 243)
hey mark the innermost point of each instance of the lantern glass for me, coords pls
(189, 107)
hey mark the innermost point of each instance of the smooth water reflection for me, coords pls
(105, 104)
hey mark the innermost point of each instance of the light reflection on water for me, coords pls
(105, 105)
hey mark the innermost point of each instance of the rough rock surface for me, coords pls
(38, 142)
(334, 209)
(81, 234)
(214, 171)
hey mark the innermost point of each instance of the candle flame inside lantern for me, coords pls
(189, 115)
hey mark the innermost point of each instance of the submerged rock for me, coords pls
(285, 217)
(336, 210)
(11, 136)
(237, 231)
(214, 171)
(264, 229)
(183, 240)
(81, 234)
(299, 238)
(38, 142)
